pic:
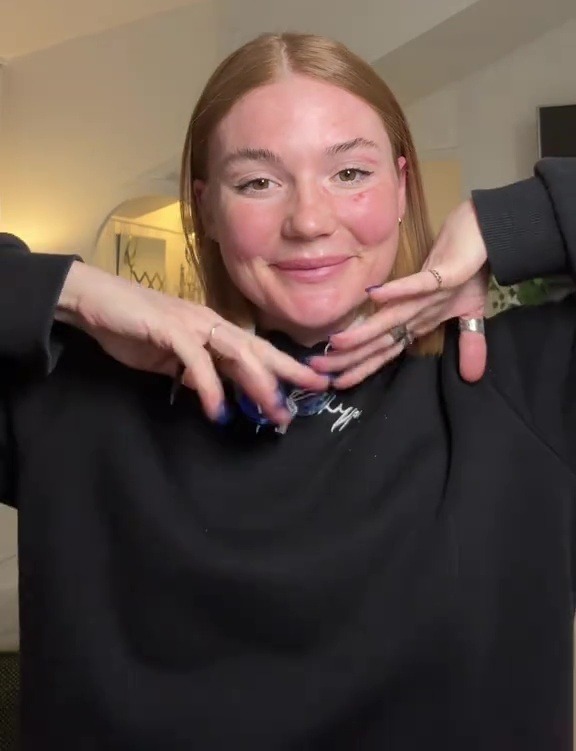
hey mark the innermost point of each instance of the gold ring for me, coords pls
(209, 344)
(436, 274)
(211, 334)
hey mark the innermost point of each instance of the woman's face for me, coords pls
(303, 196)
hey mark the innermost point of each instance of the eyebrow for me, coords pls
(355, 143)
(252, 155)
(265, 155)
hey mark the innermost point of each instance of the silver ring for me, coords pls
(398, 333)
(408, 339)
(476, 325)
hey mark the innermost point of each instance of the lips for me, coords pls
(312, 270)
(311, 264)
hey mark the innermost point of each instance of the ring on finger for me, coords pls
(398, 333)
(476, 325)
(438, 276)
(408, 339)
(401, 335)
(210, 343)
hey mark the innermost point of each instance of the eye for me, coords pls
(258, 184)
(352, 175)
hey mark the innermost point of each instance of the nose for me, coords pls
(310, 214)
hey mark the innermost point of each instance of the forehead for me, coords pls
(297, 110)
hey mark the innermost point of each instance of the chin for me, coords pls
(316, 316)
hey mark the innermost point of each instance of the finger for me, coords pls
(381, 322)
(200, 375)
(232, 344)
(421, 283)
(259, 384)
(338, 361)
(296, 373)
(360, 372)
(472, 355)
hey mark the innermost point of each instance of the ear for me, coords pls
(202, 196)
(402, 171)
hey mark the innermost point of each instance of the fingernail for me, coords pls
(176, 383)
(373, 287)
(224, 414)
(281, 399)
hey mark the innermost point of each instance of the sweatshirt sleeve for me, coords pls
(30, 285)
(529, 227)
(530, 231)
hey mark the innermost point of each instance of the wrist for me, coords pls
(68, 305)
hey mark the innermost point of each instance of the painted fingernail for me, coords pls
(176, 383)
(281, 400)
(224, 414)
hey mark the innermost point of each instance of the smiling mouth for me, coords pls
(312, 269)
(311, 264)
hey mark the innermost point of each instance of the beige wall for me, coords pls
(93, 122)
(442, 180)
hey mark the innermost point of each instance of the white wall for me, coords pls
(92, 122)
(488, 120)
(498, 119)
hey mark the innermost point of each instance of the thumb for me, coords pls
(472, 355)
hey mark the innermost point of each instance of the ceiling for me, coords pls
(30, 25)
(418, 46)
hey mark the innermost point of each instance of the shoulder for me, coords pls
(531, 362)
(8, 240)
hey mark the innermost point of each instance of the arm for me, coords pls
(30, 287)
(529, 227)
(139, 327)
(29, 290)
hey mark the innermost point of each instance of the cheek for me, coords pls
(245, 232)
(372, 216)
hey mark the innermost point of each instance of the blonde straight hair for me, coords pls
(262, 61)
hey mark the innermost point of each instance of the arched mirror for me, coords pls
(142, 240)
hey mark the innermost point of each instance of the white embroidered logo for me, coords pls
(347, 414)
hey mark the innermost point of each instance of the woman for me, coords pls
(396, 567)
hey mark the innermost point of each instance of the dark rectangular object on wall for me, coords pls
(557, 130)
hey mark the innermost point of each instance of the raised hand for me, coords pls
(453, 283)
(151, 331)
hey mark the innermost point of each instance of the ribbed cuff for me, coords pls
(30, 287)
(520, 231)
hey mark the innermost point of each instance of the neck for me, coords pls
(307, 336)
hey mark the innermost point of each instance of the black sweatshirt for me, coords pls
(396, 572)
